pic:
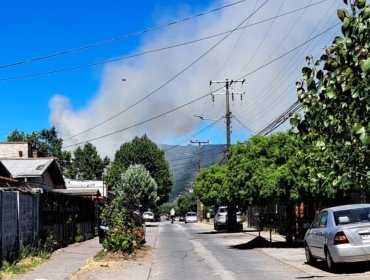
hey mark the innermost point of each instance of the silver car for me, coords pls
(220, 219)
(339, 234)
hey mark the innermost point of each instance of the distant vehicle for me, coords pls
(338, 235)
(182, 218)
(148, 217)
(220, 219)
(191, 217)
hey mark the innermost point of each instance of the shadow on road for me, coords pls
(260, 242)
(345, 268)
(224, 231)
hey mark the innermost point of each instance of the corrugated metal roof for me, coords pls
(27, 167)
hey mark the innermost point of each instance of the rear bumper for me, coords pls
(348, 253)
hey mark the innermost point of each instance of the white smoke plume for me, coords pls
(268, 91)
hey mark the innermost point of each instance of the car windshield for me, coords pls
(223, 210)
(190, 214)
(358, 215)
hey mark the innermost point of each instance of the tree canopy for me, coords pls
(141, 150)
(87, 164)
(335, 99)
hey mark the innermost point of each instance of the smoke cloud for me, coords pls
(268, 91)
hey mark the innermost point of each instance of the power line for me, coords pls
(173, 78)
(113, 40)
(62, 70)
(195, 100)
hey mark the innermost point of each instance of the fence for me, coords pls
(26, 218)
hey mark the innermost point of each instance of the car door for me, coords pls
(311, 235)
(321, 234)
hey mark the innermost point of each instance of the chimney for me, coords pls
(34, 153)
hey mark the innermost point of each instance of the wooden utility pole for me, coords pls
(228, 113)
(231, 207)
(199, 144)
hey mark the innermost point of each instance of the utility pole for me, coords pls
(200, 213)
(199, 144)
(228, 113)
(231, 207)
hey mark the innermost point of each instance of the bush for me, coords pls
(124, 240)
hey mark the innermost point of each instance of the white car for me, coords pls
(220, 219)
(339, 234)
(148, 217)
(191, 217)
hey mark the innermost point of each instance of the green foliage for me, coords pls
(135, 190)
(141, 150)
(165, 208)
(87, 164)
(187, 203)
(335, 99)
(124, 239)
(267, 168)
(211, 185)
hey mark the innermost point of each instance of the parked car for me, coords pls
(181, 218)
(220, 219)
(339, 235)
(148, 217)
(191, 217)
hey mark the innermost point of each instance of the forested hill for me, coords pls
(184, 162)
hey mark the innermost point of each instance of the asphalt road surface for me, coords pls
(195, 251)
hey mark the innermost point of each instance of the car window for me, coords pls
(316, 221)
(358, 215)
(323, 219)
(223, 210)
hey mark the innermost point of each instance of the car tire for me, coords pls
(309, 258)
(215, 227)
(329, 261)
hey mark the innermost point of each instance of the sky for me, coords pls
(106, 71)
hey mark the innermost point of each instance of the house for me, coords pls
(21, 165)
(90, 189)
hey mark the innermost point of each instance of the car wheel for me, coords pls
(329, 261)
(215, 227)
(309, 258)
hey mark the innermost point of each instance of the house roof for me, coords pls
(33, 168)
(20, 168)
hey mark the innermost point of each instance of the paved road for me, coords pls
(194, 251)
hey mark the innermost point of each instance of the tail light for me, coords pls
(340, 238)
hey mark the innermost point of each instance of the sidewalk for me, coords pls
(63, 262)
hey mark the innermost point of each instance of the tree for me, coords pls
(141, 150)
(136, 190)
(335, 99)
(46, 142)
(187, 203)
(87, 164)
(211, 185)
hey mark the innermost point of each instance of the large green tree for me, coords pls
(87, 164)
(211, 185)
(268, 168)
(335, 98)
(141, 150)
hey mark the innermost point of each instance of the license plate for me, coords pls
(365, 236)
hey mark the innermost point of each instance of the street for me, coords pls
(195, 251)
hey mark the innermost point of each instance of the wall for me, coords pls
(13, 149)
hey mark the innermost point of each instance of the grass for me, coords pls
(8, 269)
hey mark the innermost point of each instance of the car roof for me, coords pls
(190, 213)
(347, 207)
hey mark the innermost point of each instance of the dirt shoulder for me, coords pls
(114, 266)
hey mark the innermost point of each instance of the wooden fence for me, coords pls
(27, 218)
